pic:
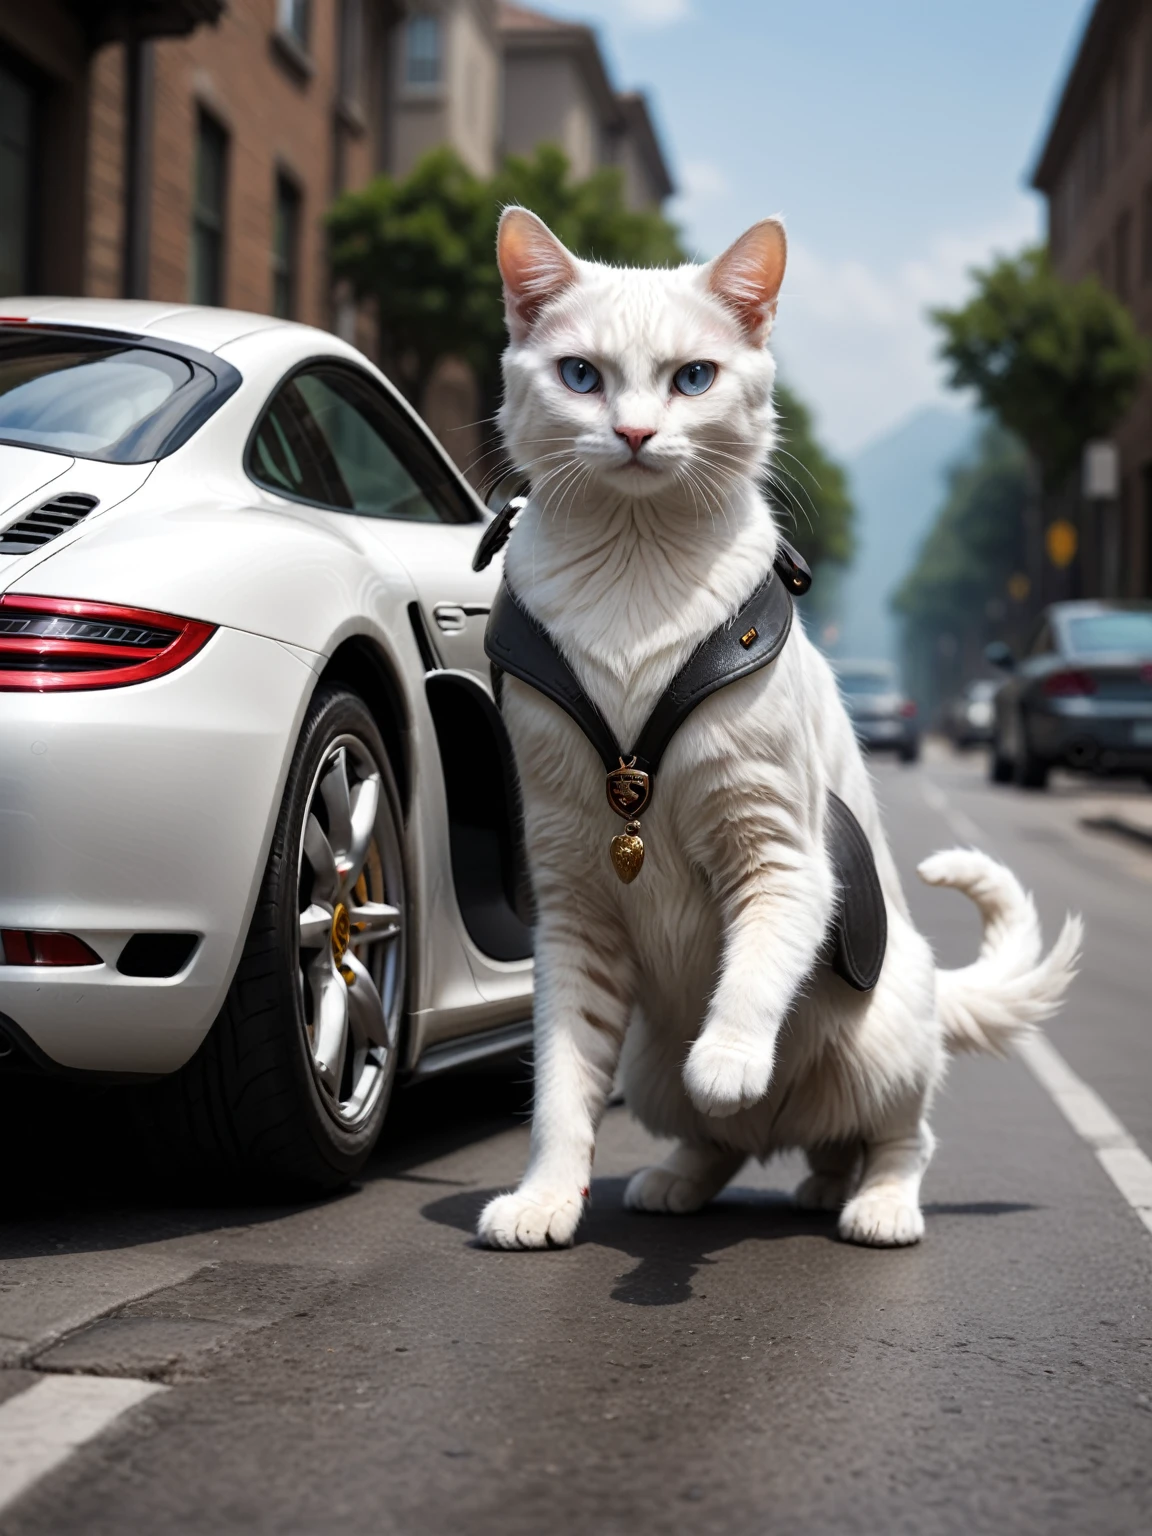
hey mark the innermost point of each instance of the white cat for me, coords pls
(640, 403)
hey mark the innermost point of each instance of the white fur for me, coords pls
(704, 972)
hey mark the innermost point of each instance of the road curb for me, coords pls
(1142, 836)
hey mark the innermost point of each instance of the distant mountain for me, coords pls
(898, 484)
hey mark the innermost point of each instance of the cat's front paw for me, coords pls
(530, 1218)
(722, 1079)
(882, 1218)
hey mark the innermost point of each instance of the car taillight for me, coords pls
(1146, 672)
(1069, 685)
(49, 644)
(908, 709)
(24, 946)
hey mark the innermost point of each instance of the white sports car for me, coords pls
(258, 825)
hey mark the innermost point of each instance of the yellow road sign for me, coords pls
(1061, 541)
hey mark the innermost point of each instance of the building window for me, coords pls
(1057, 217)
(1122, 256)
(206, 285)
(294, 17)
(422, 51)
(1100, 262)
(351, 51)
(1094, 152)
(16, 113)
(285, 248)
(1120, 110)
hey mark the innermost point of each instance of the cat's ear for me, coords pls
(748, 275)
(535, 267)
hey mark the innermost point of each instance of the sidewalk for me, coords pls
(1116, 807)
(1129, 815)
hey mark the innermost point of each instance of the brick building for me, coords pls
(556, 88)
(1095, 169)
(187, 167)
(493, 79)
(187, 150)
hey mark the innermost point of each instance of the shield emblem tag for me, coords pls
(629, 791)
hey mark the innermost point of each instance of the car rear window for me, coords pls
(103, 397)
(1120, 631)
(878, 681)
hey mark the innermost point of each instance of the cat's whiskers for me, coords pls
(772, 478)
(500, 451)
(683, 477)
(695, 480)
(540, 494)
(711, 495)
(569, 480)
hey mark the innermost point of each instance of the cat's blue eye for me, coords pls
(579, 375)
(695, 378)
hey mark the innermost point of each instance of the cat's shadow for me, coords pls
(670, 1251)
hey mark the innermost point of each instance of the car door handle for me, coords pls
(451, 618)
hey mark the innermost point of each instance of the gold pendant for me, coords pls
(627, 850)
(629, 789)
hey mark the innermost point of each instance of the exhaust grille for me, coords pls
(46, 523)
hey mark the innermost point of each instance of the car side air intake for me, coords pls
(46, 523)
(156, 954)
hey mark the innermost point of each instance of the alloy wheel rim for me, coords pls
(350, 961)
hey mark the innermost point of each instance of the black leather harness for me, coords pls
(518, 644)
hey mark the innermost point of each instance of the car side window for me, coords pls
(290, 454)
(1042, 640)
(330, 435)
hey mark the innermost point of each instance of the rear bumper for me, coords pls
(139, 810)
(886, 732)
(1085, 737)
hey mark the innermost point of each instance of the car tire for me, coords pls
(1000, 767)
(910, 751)
(1028, 770)
(266, 1097)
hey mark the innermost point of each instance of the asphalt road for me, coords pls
(359, 1367)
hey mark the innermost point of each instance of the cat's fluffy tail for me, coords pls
(1009, 988)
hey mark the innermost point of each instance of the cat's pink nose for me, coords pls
(635, 437)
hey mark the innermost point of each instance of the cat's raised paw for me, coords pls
(530, 1219)
(882, 1218)
(722, 1079)
(660, 1189)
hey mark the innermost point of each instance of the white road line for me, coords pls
(1117, 1150)
(963, 826)
(1086, 1112)
(40, 1428)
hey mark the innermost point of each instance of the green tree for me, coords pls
(1058, 363)
(954, 599)
(808, 486)
(423, 249)
(415, 246)
(590, 216)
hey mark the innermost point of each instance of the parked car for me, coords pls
(883, 717)
(969, 718)
(1080, 694)
(257, 811)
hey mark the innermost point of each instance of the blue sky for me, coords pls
(894, 135)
